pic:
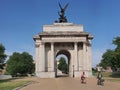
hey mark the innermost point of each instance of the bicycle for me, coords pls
(100, 82)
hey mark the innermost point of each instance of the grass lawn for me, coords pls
(113, 79)
(10, 84)
(111, 76)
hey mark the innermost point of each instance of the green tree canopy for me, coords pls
(112, 57)
(107, 58)
(63, 66)
(2, 55)
(20, 64)
(116, 42)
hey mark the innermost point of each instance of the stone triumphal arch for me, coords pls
(63, 38)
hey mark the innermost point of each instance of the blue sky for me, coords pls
(20, 20)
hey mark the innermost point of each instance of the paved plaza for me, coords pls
(66, 83)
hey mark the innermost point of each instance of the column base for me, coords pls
(45, 74)
(77, 73)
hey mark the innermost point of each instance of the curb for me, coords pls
(22, 86)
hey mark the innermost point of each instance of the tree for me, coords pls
(116, 42)
(20, 64)
(2, 56)
(107, 58)
(63, 66)
(112, 57)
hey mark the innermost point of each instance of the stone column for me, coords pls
(89, 62)
(76, 57)
(42, 57)
(52, 57)
(89, 57)
(37, 57)
(43, 50)
(84, 56)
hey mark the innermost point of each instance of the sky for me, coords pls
(20, 20)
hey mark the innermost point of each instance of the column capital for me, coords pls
(42, 43)
(84, 42)
(89, 42)
(75, 42)
(52, 42)
(37, 45)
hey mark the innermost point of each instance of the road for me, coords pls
(67, 83)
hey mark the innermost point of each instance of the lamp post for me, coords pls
(73, 72)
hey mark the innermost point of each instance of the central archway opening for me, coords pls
(62, 63)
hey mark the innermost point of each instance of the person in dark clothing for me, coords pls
(99, 77)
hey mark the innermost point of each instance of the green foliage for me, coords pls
(2, 55)
(112, 57)
(107, 58)
(21, 64)
(63, 66)
(94, 71)
(116, 42)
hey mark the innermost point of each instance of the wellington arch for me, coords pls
(63, 38)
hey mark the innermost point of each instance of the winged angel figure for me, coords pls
(62, 13)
